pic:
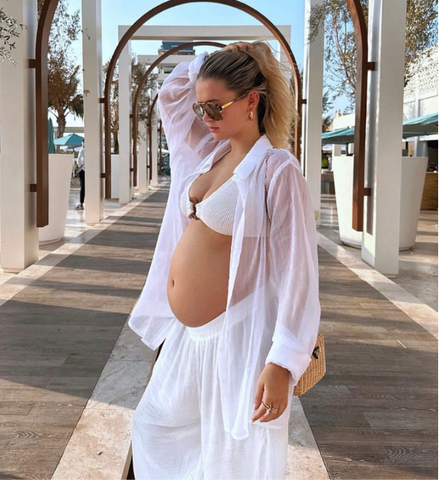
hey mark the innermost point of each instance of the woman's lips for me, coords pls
(213, 129)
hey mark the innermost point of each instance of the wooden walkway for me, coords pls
(56, 336)
(374, 415)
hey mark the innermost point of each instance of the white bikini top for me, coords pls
(217, 210)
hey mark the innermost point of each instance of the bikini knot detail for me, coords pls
(193, 214)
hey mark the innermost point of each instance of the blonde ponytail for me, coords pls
(257, 69)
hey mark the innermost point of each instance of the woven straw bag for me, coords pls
(317, 367)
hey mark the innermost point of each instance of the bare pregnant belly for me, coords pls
(197, 286)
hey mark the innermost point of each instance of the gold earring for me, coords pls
(251, 115)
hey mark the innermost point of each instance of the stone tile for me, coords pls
(96, 449)
(304, 459)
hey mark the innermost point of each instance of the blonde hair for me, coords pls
(257, 69)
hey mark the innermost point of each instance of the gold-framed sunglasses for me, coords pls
(213, 110)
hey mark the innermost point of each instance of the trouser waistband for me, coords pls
(210, 329)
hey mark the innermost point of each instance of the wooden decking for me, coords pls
(374, 415)
(56, 336)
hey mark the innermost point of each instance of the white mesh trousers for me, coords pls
(177, 428)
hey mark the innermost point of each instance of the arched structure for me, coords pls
(166, 6)
(363, 66)
(40, 64)
(41, 92)
(139, 90)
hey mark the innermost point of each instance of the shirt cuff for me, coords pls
(294, 361)
(195, 65)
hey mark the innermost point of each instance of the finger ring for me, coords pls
(274, 410)
(267, 407)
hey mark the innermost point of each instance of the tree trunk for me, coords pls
(61, 122)
(115, 142)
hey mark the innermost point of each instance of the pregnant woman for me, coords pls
(232, 290)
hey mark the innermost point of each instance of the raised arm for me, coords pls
(294, 267)
(181, 126)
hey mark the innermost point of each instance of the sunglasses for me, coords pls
(213, 110)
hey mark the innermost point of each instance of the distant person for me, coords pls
(81, 167)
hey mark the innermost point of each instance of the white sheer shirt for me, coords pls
(275, 267)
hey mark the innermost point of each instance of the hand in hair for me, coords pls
(235, 46)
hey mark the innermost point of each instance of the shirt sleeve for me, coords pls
(175, 103)
(293, 267)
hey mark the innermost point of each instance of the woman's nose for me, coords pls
(206, 117)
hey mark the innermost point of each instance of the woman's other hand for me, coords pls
(235, 46)
(272, 389)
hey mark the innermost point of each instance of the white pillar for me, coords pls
(125, 108)
(142, 159)
(19, 234)
(336, 150)
(287, 70)
(312, 121)
(282, 57)
(154, 182)
(154, 150)
(416, 113)
(93, 112)
(380, 248)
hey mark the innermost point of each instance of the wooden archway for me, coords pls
(166, 6)
(361, 40)
(41, 93)
(41, 105)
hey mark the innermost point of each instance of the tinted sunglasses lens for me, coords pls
(198, 110)
(213, 111)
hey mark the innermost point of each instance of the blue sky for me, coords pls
(126, 12)
(115, 12)
(280, 12)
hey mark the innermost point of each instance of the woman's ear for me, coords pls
(253, 99)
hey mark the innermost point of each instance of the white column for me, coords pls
(93, 112)
(154, 150)
(19, 234)
(154, 182)
(380, 248)
(312, 120)
(282, 57)
(142, 159)
(417, 110)
(287, 70)
(125, 108)
(336, 150)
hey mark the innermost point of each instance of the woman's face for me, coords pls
(235, 117)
